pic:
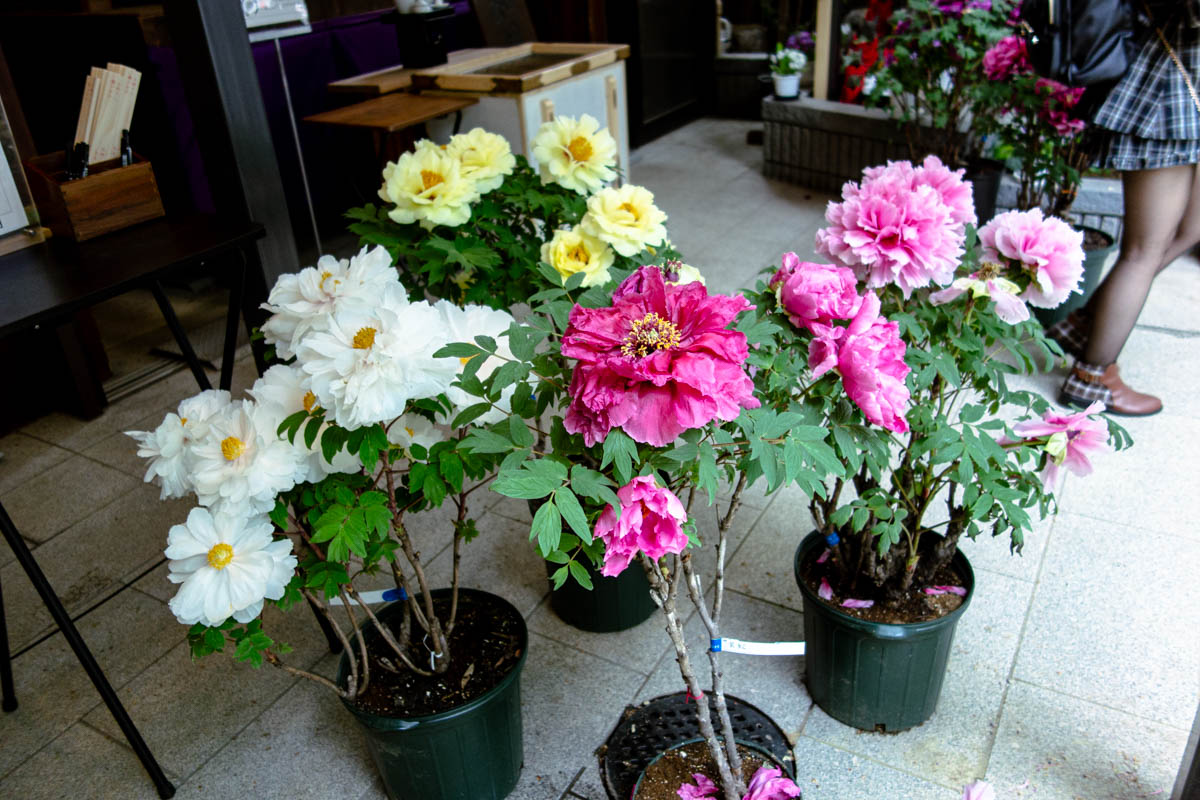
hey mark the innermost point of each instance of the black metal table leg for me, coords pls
(185, 346)
(237, 290)
(8, 696)
(86, 659)
(335, 644)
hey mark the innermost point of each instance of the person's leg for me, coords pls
(1155, 205)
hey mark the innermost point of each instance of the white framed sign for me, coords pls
(12, 208)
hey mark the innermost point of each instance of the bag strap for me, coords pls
(1171, 52)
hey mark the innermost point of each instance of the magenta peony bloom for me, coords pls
(651, 521)
(1006, 58)
(1046, 250)
(901, 225)
(656, 363)
(869, 355)
(815, 292)
(1060, 99)
(1071, 439)
(769, 783)
(703, 790)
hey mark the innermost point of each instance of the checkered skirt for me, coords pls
(1149, 118)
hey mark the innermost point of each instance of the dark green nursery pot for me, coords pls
(612, 604)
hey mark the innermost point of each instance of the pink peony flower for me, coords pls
(1006, 58)
(954, 192)
(651, 521)
(979, 790)
(656, 363)
(769, 783)
(815, 292)
(901, 225)
(1046, 249)
(703, 789)
(869, 355)
(1071, 439)
(1060, 99)
(1009, 306)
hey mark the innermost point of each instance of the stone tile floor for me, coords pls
(1073, 675)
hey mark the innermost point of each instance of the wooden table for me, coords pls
(392, 114)
(398, 78)
(48, 283)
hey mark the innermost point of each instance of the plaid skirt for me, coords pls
(1149, 119)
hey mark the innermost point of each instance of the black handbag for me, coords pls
(1079, 42)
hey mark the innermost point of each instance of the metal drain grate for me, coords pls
(656, 725)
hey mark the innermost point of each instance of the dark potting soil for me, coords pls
(914, 606)
(664, 777)
(484, 647)
(1095, 240)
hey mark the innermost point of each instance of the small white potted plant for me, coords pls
(786, 65)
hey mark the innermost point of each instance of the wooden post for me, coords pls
(827, 58)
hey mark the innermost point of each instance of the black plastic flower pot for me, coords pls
(984, 175)
(871, 675)
(612, 604)
(762, 752)
(1094, 262)
(472, 752)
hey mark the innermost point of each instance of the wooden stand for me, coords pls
(111, 197)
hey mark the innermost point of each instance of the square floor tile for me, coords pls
(1114, 620)
(55, 500)
(828, 773)
(25, 457)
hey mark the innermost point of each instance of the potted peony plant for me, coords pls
(528, 228)
(787, 64)
(911, 337)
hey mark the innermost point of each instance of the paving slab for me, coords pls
(1142, 365)
(952, 747)
(762, 566)
(53, 691)
(1114, 621)
(1054, 747)
(48, 504)
(828, 773)
(1174, 297)
(25, 457)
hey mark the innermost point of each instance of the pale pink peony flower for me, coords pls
(1006, 58)
(651, 521)
(703, 790)
(658, 362)
(1071, 440)
(898, 226)
(769, 783)
(1046, 249)
(979, 790)
(869, 355)
(815, 292)
(1009, 306)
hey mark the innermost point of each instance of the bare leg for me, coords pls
(1155, 205)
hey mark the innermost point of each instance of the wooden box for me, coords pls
(519, 69)
(111, 197)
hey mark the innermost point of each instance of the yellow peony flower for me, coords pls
(577, 154)
(626, 218)
(677, 274)
(427, 186)
(572, 251)
(483, 157)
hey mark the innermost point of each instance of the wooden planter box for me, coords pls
(111, 197)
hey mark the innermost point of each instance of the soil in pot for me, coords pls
(662, 779)
(484, 647)
(914, 606)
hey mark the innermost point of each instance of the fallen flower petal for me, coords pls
(979, 790)
(703, 789)
(826, 591)
(857, 603)
(769, 783)
(824, 556)
(958, 590)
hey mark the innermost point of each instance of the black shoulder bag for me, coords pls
(1079, 42)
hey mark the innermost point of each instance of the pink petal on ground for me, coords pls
(703, 789)
(857, 603)
(826, 591)
(824, 556)
(958, 590)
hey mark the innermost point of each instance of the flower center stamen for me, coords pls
(648, 334)
(580, 149)
(578, 254)
(232, 448)
(364, 338)
(220, 556)
(989, 270)
(430, 179)
(633, 212)
(326, 275)
(310, 401)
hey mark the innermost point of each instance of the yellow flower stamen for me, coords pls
(580, 148)
(326, 275)
(409, 431)
(579, 255)
(364, 338)
(183, 420)
(633, 212)
(648, 334)
(989, 270)
(220, 556)
(232, 448)
(310, 401)
(430, 179)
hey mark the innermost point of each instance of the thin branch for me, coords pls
(352, 689)
(274, 661)
(362, 641)
(386, 633)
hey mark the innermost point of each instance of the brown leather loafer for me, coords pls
(1084, 387)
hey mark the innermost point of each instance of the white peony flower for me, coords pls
(242, 464)
(169, 445)
(282, 391)
(369, 364)
(463, 325)
(302, 302)
(228, 565)
(411, 429)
